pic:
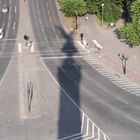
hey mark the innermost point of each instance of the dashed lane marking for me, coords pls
(15, 9)
(14, 25)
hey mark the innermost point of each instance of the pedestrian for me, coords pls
(30, 44)
(87, 46)
(82, 35)
(86, 18)
(26, 44)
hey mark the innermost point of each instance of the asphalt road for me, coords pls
(113, 109)
(70, 99)
(9, 22)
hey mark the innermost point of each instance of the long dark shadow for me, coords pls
(69, 77)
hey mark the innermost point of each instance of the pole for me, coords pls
(123, 59)
(76, 16)
(76, 21)
(102, 14)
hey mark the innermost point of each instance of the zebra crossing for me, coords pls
(119, 80)
(58, 52)
(116, 78)
(46, 52)
(89, 131)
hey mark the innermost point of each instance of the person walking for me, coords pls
(86, 19)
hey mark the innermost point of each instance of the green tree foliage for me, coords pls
(117, 2)
(73, 7)
(93, 6)
(111, 11)
(131, 31)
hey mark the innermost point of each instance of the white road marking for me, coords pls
(47, 4)
(46, 38)
(75, 66)
(19, 47)
(14, 25)
(8, 39)
(50, 20)
(133, 120)
(84, 45)
(48, 12)
(15, 9)
(32, 47)
(62, 57)
(92, 136)
(38, 12)
(9, 20)
(40, 20)
(105, 137)
(82, 125)
(65, 138)
(2, 24)
(87, 127)
(43, 29)
(6, 71)
(79, 43)
(61, 68)
(57, 37)
(53, 28)
(37, 5)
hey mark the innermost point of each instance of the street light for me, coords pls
(76, 16)
(123, 59)
(102, 13)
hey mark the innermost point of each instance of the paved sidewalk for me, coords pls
(107, 38)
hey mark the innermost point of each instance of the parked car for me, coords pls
(1, 33)
(4, 8)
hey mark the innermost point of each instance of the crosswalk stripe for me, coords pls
(122, 81)
(19, 47)
(32, 48)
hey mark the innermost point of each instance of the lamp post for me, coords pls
(76, 16)
(123, 59)
(102, 5)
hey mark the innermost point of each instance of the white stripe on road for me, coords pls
(48, 12)
(19, 47)
(32, 48)
(62, 57)
(9, 20)
(6, 71)
(50, 20)
(92, 136)
(83, 45)
(82, 125)
(15, 9)
(14, 25)
(8, 39)
(133, 120)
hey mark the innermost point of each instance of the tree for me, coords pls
(111, 11)
(93, 6)
(72, 7)
(131, 31)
